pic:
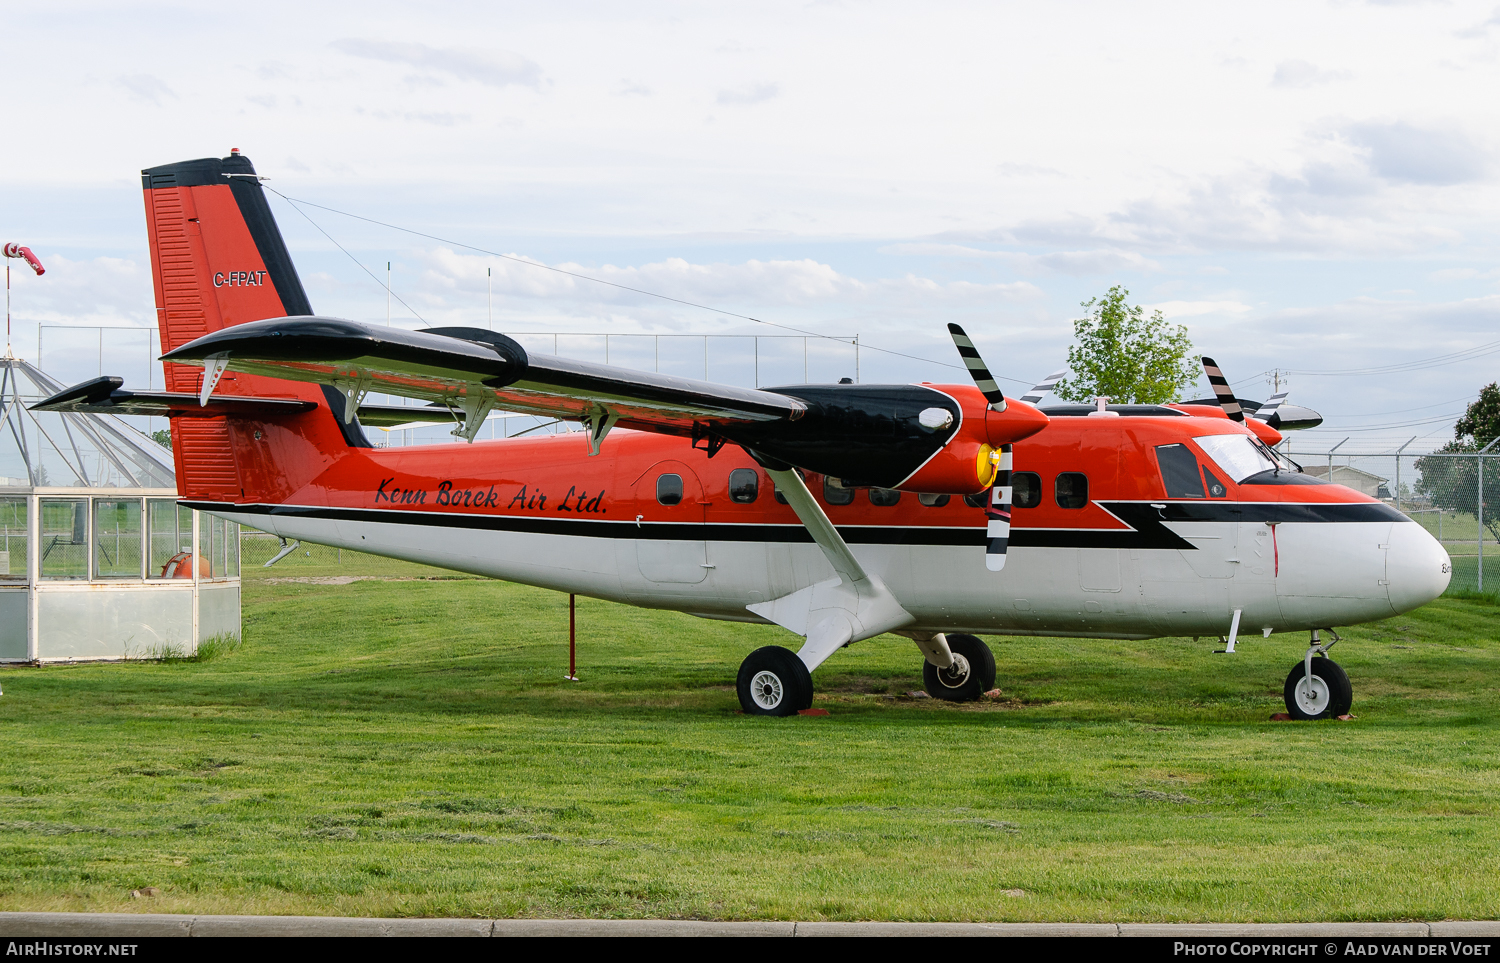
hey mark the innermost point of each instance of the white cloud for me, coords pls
(1074, 263)
(748, 94)
(146, 88)
(789, 282)
(100, 290)
(1300, 74)
(1414, 155)
(494, 68)
(1465, 274)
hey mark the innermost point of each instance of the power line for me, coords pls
(351, 257)
(584, 277)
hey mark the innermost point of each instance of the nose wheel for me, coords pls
(1322, 693)
(971, 675)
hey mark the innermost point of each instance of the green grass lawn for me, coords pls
(411, 748)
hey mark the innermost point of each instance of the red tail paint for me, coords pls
(217, 260)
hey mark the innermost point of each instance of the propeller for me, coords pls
(997, 506)
(1045, 385)
(1265, 411)
(1222, 391)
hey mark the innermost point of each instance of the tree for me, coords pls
(163, 437)
(1127, 356)
(1451, 481)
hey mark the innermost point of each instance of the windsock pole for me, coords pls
(10, 251)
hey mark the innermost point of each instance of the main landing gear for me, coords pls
(774, 682)
(1317, 688)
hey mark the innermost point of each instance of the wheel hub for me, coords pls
(955, 675)
(766, 689)
(1313, 695)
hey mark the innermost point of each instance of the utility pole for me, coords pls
(388, 294)
(1276, 380)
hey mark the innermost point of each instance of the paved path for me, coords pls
(125, 925)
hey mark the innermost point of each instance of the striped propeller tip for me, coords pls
(983, 380)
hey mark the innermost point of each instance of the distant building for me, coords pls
(1360, 481)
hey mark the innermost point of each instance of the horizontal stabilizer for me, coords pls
(105, 396)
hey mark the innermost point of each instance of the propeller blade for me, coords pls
(1045, 385)
(1222, 391)
(997, 532)
(983, 380)
(1265, 411)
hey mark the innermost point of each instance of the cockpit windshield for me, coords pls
(1240, 456)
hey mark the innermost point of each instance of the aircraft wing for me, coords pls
(884, 436)
(473, 371)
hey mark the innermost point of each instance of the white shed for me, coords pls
(97, 559)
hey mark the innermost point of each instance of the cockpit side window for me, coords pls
(1179, 471)
(1216, 488)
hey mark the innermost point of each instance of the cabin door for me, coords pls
(670, 548)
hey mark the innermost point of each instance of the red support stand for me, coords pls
(572, 637)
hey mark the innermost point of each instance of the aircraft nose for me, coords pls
(1417, 567)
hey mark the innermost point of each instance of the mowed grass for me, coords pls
(411, 748)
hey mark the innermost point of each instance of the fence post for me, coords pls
(1398, 470)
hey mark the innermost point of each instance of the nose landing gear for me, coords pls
(971, 675)
(1317, 688)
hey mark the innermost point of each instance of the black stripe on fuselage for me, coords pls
(1147, 530)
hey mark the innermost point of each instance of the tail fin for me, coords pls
(218, 260)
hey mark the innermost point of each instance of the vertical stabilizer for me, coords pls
(218, 260)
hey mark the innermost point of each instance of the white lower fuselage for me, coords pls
(1299, 576)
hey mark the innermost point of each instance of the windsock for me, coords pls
(16, 250)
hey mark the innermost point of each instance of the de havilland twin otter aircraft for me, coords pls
(839, 512)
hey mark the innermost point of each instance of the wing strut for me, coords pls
(850, 608)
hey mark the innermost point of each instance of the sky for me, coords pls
(1308, 187)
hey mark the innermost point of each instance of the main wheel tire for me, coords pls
(971, 675)
(984, 657)
(774, 682)
(1330, 695)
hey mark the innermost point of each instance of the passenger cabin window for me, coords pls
(1179, 471)
(1026, 489)
(669, 489)
(1072, 489)
(834, 492)
(744, 485)
(884, 497)
(932, 501)
(978, 500)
